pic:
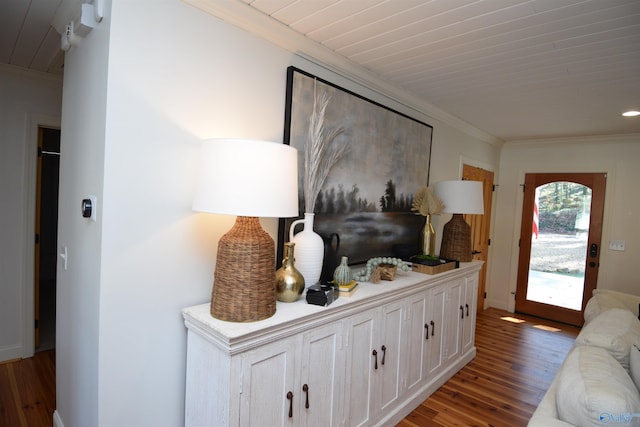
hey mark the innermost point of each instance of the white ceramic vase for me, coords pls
(309, 249)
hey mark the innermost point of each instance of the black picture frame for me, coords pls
(366, 199)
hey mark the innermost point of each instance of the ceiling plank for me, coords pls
(11, 22)
(33, 32)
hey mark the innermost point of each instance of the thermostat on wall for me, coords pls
(89, 208)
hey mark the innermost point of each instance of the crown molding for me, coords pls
(241, 15)
(590, 139)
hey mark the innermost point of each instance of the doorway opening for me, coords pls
(560, 238)
(46, 239)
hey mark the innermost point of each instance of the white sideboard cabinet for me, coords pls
(369, 359)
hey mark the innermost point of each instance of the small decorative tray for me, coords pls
(433, 266)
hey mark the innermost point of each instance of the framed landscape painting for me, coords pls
(364, 208)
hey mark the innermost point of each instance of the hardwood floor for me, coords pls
(28, 391)
(502, 386)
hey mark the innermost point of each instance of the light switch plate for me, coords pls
(616, 245)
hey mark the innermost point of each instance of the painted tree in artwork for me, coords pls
(388, 199)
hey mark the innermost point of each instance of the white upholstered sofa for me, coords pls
(595, 385)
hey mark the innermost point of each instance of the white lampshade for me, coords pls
(462, 197)
(247, 178)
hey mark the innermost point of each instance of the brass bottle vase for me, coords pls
(289, 281)
(428, 238)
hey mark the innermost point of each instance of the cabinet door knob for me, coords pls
(290, 399)
(305, 388)
(461, 312)
(426, 328)
(467, 307)
(433, 328)
(375, 354)
(384, 353)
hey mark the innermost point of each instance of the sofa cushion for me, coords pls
(630, 301)
(615, 330)
(594, 389)
(599, 303)
(634, 365)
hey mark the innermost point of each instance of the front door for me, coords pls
(560, 244)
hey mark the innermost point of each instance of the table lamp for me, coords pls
(249, 179)
(459, 197)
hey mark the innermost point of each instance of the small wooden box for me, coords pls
(434, 269)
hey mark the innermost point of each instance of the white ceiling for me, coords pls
(515, 69)
(27, 38)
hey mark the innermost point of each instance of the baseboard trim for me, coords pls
(57, 420)
(11, 352)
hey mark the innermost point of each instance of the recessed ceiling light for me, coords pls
(631, 113)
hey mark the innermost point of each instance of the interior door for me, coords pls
(560, 238)
(480, 225)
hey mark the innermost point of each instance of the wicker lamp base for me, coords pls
(456, 240)
(244, 279)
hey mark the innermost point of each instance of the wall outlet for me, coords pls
(616, 245)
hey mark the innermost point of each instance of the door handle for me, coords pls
(375, 354)
(305, 388)
(384, 353)
(426, 328)
(290, 399)
(593, 250)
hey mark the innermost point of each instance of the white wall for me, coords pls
(147, 85)
(27, 99)
(81, 174)
(201, 79)
(618, 157)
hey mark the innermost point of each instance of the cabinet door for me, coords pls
(389, 346)
(359, 330)
(417, 338)
(267, 378)
(435, 319)
(469, 323)
(454, 312)
(321, 380)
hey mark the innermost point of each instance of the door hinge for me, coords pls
(37, 239)
(489, 242)
(36, 323)
(485, 295)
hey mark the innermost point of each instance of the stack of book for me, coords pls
(348, 289)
